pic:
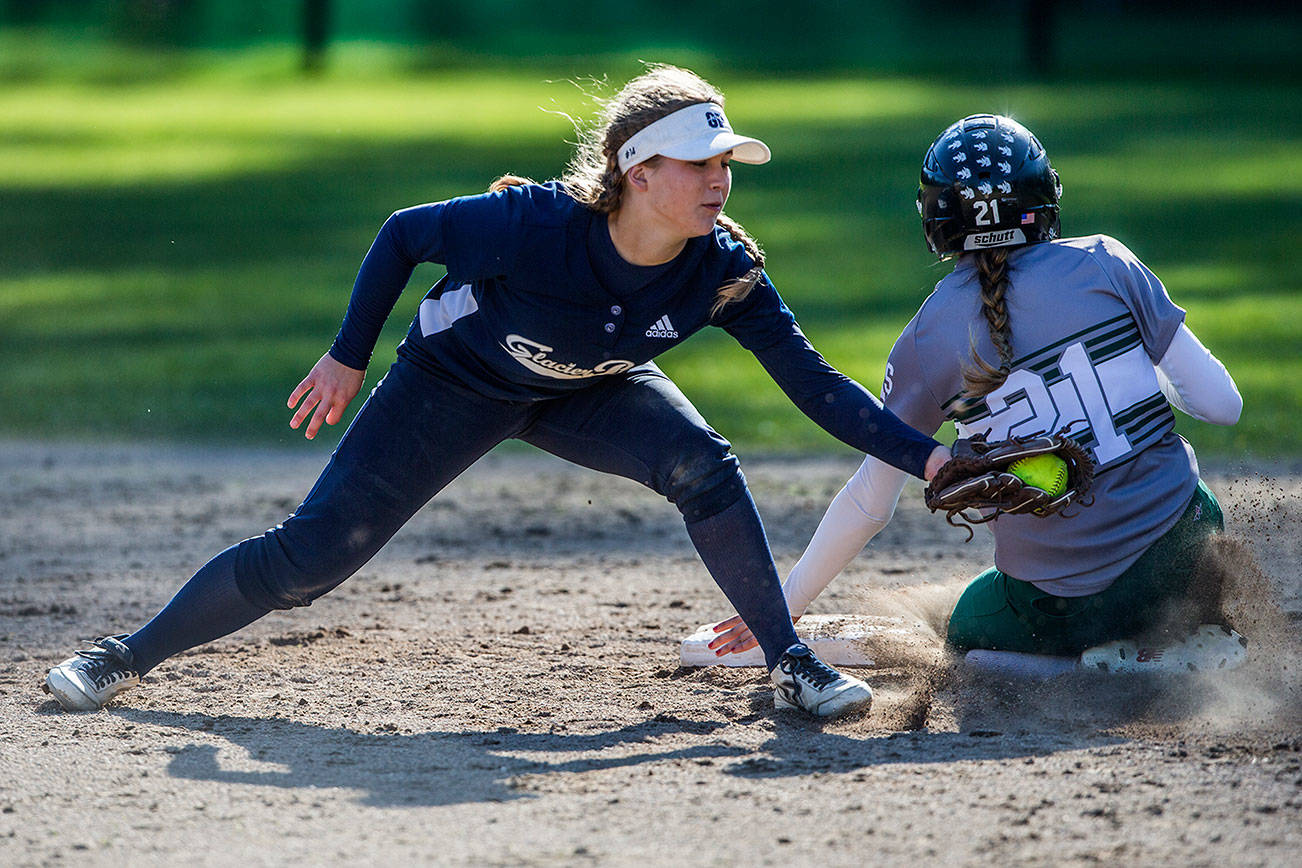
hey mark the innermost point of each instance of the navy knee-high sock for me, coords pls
(736, 552)
(207, 607)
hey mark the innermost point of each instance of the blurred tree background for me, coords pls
(1044, 37)
(186, 188)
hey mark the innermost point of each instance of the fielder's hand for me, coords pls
(735, 637)
(939, 457)
(330, 386)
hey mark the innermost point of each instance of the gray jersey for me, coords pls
(1089, 322)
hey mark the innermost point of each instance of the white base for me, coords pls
(838, 640)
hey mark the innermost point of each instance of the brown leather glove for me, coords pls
(977, 478)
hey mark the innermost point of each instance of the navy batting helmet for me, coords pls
(986, 182)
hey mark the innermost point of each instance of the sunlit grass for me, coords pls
(82, 135)
(178, 248)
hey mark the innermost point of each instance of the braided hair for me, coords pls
(981, 378)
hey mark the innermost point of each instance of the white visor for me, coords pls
(697, 132)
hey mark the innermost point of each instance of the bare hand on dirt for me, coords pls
(734, 636)
(330, 386)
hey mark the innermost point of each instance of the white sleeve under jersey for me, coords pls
(1196, 383)
(858, 512)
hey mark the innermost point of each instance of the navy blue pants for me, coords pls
(417, 432)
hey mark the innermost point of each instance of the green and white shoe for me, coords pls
(1210, 648)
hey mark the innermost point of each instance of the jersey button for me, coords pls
(610, 328)
(616, 310)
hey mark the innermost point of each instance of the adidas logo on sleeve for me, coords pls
(662, 329)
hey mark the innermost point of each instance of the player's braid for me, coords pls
(992, 268)
(593, 177)
(739, 288)
(981, 377)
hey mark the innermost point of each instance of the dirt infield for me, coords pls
(500, 686)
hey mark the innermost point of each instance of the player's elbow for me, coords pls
(1227, 408)
(879, 518)
(1229, 412)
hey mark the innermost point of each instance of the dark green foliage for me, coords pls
(176, 252)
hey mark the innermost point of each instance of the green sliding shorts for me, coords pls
(999, 612)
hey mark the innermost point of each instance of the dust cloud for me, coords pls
(921, 684)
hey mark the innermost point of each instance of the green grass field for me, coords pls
(178, 247)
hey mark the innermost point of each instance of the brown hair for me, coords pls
(593, 177)
(508, 180)
(981, 377)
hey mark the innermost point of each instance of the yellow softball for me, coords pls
(1043, 471)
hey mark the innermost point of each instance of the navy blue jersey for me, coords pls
(532, 308)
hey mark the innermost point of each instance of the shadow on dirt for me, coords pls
(419, 769)
(442, 768)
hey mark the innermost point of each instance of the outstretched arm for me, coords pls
(847, 410)
(762, 324)
(858, 513)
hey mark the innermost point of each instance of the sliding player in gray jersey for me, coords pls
(1032, 333)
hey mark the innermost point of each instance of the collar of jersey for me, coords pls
(584, 277)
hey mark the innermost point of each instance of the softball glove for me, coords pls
(977, 478)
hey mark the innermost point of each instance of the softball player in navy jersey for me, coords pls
(1083, 336)
(557, 297)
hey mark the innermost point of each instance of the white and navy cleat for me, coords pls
(87, 681)
(801, 680)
